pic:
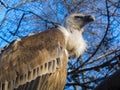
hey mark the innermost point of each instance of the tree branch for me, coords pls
(19, 23)
(4, 39)
(110, 83)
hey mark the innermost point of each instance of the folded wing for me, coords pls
(32, 60)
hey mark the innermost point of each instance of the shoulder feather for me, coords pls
(31, 57)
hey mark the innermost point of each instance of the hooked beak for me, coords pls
(89, 18)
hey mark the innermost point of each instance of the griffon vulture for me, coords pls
(39, 62)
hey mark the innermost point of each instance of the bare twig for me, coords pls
(4, 40)
(83, 85)
(19, 23)
(104, 55)
(2, 3)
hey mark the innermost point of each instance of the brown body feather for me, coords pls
(53, 81)
(34, 57)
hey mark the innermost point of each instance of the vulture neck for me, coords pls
(73, 30)
(75, 44)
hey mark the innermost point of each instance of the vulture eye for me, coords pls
(78, 17)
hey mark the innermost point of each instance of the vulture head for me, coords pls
(78, 21)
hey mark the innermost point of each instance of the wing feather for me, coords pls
(24, 60)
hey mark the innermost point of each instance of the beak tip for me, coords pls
(92, 18)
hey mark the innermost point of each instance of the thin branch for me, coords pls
(110, 83)
(15, 8)
(95, 80)
(104, 55)
(2, 3)
(47, 21)
(92, 81)
(97, 67)
(4, 40)
(108, 63)
(83, 85)
(114, 4)
(18, 25)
